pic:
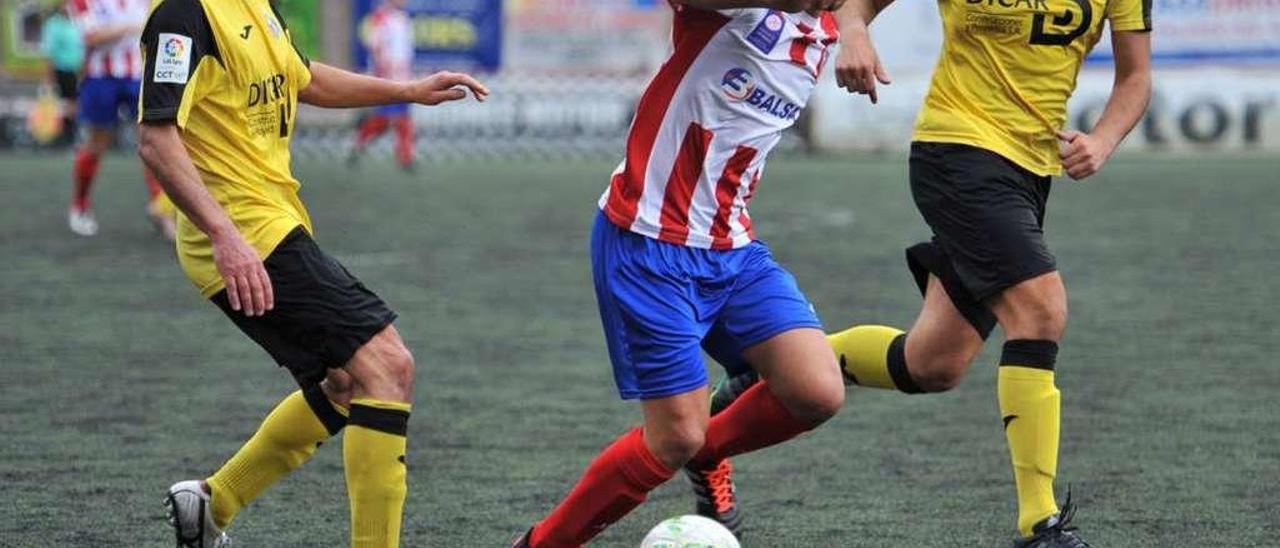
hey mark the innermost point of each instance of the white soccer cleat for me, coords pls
(191, 516)
(82, 222)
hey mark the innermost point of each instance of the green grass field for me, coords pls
(118, 379)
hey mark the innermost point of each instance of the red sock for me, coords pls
(404, 140)
(616, 482)
(153, 185)
(754, 421)
(372, 127)
(83, 172)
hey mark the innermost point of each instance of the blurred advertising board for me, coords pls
(448, 34)
(20, 23)
(587, 37)
(1214, 32)
(1203, 109)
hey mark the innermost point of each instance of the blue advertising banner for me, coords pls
(447, 34)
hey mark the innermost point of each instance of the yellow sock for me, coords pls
(1029, 406)
(373, 452)
(874, 356)
(287, 438)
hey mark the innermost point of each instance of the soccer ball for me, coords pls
(689, 532)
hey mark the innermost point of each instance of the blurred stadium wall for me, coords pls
(566, 74)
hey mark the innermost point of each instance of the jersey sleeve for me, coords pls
(301, 64)
(1129, 15)
(177, 41)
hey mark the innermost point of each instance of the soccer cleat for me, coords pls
(192, 518)
(716, 498)
(729, 388)
(1055, 531)
(524, 540)
(82, 221)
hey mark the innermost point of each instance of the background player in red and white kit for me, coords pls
(677, 267)
(112, 71)
(388, 35)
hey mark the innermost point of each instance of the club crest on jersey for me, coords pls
(173, 59)
(768, 31)
(739, 85)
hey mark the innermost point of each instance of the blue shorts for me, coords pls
(663, 304)
(101, 100)
(401, 109)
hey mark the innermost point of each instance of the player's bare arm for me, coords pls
(789, 6)
(858, 65)
(333, 87)
(248, 286)
(1083, 154)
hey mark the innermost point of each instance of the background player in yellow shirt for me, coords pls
(218, 104)
(986, 144)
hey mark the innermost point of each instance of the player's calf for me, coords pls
(374, 447)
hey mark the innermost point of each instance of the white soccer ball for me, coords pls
(689, 532)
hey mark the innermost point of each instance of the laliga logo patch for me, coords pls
(738, 84)
(768, 31)
(173, 59)
(173, 48)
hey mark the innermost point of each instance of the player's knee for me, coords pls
(819, 405)
(400, 368)
(1040, 320)
(940, 373)
(676, 445)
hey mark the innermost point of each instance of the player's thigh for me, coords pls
(986, 214)
(942, 343)
(1033, 309)
(127, 98)
(649, 314)
(801, 371)
(98, 103)
(382, 368)
(323, 315)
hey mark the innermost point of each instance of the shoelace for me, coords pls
(720, 482)
(1063, 529)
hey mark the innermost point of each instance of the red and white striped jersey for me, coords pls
(121, 57)
(388, 35)
(736, 79)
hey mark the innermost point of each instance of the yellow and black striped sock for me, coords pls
(373, 452)
(1030, 407)
(874, 356)
(287, 438)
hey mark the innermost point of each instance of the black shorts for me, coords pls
(67, 83)
(322, 313)
(987, 216)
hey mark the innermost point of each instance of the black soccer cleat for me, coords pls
(524, 540)
(715, 495)
(1055, 531)
(728, 390)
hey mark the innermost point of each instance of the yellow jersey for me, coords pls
(227, 73)
(1007, 68)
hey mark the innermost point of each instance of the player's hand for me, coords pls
(248, 286)
(858, 65)
(443, 87)
(811, 6)
(1083, 154)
